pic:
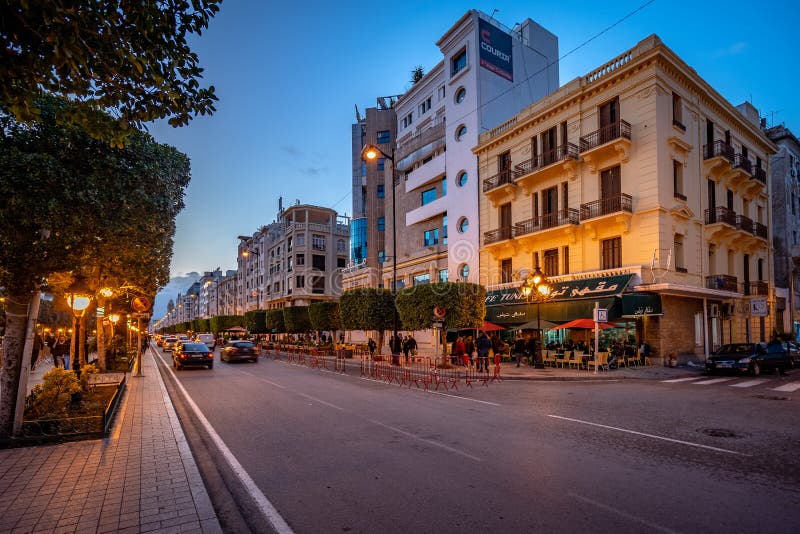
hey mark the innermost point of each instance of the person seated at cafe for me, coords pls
(581, 346)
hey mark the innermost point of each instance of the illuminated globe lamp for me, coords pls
(536, 286)
(79, 296)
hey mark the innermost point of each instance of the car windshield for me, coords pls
(242, 345)
(736, 348)
(194, 347)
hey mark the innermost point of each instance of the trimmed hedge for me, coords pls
(296, 320)
(325, 316)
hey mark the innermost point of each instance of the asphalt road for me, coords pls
(339, 453)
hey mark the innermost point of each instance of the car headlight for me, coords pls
(745, 360)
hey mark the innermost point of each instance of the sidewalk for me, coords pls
(142, 478)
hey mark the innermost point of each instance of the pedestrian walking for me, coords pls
(412, 346)
(60, 351)
(371, 345)
(520, 346)
(406, 348)
(484, 345)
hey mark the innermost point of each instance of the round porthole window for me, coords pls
(461, 179)
(461, 94)
(463, 224)
(463, 271)
(461, 131)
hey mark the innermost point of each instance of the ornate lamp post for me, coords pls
(371, 152)
(536, 286)
(79, 296)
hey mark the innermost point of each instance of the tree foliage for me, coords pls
(367, 309)
(417, 73)
(296, 319)
(325, 316)
(132, 57)
(464, 303)
(223, 322)
(274, 321)
(255, 321)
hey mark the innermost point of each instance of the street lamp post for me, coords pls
(537, 286)
(371, 152)
(245, 254)
(78, 298)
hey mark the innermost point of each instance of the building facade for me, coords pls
(638, 187)
(487, 74)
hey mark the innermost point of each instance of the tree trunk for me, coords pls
(381, 339)
(101, 345)
(82, 341)
(17, 309)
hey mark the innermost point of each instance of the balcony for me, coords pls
(433, 136)
(426, 173)
(500, 188)
(495, 236)
(427, 211)
(760, 175)
(755, 288)
(607, 206)
(545, 166)
(760, 230)
(718, 149)
(722, 282)
(545, 222)
(608, 145)
(721, 215)
(740, 161)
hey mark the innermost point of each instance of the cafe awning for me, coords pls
(641, 305)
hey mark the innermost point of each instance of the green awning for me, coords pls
(589, 288)
(641, 305)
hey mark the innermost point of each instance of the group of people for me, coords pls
(58, 346)
(464, 349)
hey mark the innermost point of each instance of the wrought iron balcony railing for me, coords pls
(493, 236)
(760, 175)
(721, 214)
(718, 149)
(568, 151)
(740, 161)
(543, 222)
(493, 182)
(745, 224)
(607, 133)
(760, 230)
(622, 202)
(755, 288)
(724, 282)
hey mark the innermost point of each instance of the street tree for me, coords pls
(368, 309)
(463, 303)
(274, 321)
(255, 321)
(296, 319)
(130, 57)
(325, 316)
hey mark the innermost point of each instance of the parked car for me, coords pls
(208, 339)
(168, 343)
(192, 354)
(750, 357)
(238, 350)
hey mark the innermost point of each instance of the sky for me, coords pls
(288, 76)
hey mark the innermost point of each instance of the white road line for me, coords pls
(748, 383)
(425, 440)
(634, 432)
(788, 388)
(617, 511)
(682, 379)
(712, 381)
(273, 517)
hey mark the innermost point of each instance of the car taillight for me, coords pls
(210, 355)
(183, 356)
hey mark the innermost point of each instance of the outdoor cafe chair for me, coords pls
(562, 360)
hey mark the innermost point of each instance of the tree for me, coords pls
(464, 305)
(130, 57)
(274, 321)
(255, 321)
(223, 322)
(325, 316)
(368, 309)
(70, 204)
(296, 319)
(417, 73)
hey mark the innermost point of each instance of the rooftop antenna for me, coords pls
(493, 12)
(358, 115)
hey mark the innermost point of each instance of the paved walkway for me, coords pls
(142, 478)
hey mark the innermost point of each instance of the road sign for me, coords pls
(438, 324)
(600, 315)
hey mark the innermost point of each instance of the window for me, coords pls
(421, 279)
(611, 253)
(428, 196)
(443, 275)
(401, 283)
(381, 256)
(383, 137)
(462, 178)
(444, 229)
(677, 180)
(458, 62)
(551, 262)
(425, 106)
(407, 120)
(566, 260)
(432, 237)
(381, 224)
(363, 168)
(341, 246)
(441, 92)
(341, 263)
(505, 270)
(318, 262)
(318, 285)
(680, 265)
(300, 281)
(289, 244)
(463, 225)
(444, 186)
(290, 264)
(677, 112)
(381, 191)
(381, 164)
(300, 259)
(301, 240)
(463, 271)
(461, 94)
(318, 241)
(461, 131)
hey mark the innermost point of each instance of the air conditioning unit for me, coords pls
(713, 310)
(728, 309)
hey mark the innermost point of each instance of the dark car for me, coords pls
(234, 351)
(750, 357)
(192, 354)
(169, 343)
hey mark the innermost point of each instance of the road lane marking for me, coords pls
(748, 383)
(712, 381)
(460, 397)
(682, 379)
(425, 440)
(620, 513)
(634, 432)
(788, 388)
(274, 518)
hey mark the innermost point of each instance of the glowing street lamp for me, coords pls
(536, 286)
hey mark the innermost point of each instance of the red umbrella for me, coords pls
(488, 327)
(584, 324)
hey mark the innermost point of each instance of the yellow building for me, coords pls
(640, 187)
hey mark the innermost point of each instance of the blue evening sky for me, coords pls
(288, 75)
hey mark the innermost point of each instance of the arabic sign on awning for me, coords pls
(558, 312)
(590, 288)
(641, 304)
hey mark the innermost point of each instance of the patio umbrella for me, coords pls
(584, 324)
(489, 327)
(533, 325)
(236, 329)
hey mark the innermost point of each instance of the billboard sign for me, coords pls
(495, 50)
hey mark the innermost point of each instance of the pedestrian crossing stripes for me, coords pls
(705, 381)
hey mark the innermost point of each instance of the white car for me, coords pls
(208, 339)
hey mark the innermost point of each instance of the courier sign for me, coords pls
(495, 50)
